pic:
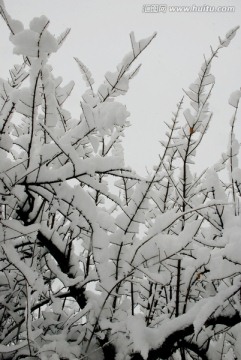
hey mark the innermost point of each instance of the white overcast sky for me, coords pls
(100, 38)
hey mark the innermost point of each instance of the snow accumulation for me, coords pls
(95, 257)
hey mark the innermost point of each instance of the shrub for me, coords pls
(98, 262)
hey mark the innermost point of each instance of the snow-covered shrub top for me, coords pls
(96, 261)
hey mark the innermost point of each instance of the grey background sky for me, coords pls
(100, 38)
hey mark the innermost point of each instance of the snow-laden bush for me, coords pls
(96, 261)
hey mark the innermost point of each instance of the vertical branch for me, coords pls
(132, 299)
(33, 116)
(28, 317)
(178, 287)
(235, 103)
